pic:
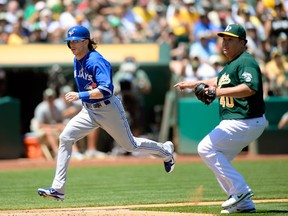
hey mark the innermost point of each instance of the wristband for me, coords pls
(84, 95)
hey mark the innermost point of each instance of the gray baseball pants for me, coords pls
(112, 119)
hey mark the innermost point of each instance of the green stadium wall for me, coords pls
(195, 120)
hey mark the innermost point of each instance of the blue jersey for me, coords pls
(93, 71)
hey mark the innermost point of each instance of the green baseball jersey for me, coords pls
(243, 69)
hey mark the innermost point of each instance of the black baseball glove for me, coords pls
(207, 96)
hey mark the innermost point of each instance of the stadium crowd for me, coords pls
(188, 26)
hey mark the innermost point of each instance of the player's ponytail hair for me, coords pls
(92, 44)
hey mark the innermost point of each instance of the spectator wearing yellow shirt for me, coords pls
(277, 72)
(17, 37)
(181, 22)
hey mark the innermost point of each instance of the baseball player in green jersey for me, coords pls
(239, 89)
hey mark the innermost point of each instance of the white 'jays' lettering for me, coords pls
(85, 76)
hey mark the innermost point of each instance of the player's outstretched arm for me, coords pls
(192, 84)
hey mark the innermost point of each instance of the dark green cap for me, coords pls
(234, 30)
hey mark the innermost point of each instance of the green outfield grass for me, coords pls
(142, 184)
(263, 209)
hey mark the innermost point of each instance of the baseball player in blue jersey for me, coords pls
(93, 76)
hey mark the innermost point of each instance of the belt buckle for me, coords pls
(96, 105)
(106, 102)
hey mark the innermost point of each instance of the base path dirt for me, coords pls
(24, 163)
(119, 210)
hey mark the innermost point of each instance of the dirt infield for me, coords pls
(118, 210)
(23, 163)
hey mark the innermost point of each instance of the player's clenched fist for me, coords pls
(71, 96)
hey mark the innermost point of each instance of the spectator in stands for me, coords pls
(56, 36)
(242, 14)
(4, 36)
(36, 36)
(217, 61)
(196, 69)
(82, 20)
(29, 10)
(14, 12)
(255, 45)
(142, 14)
(276, 23)
(255, 29)
(47, 122)
(179, 56)
(283, 121)
(107, 30)
(4, 28)
(47, 24)
(256, 22)
(19, 34)
(3, 83)
(203, 47)
(157, 5)
(57, 7)
(3, 4)
(237, 9)
(158, 27)
(3, 21)
(132, 83)
(151, 18)
(67, 18)
(282, 45)
(179, 25)
(204, 24)
(130, 23)
(190, 14)
(224, 14)
(277, 72)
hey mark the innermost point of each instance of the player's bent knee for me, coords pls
(202, 149)
(130, 148)
(65, 139)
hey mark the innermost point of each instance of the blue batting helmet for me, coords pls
(77, 33)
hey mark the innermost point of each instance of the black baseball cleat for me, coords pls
(169, 165)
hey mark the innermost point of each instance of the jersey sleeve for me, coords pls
(250, 75)
(103, 77)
